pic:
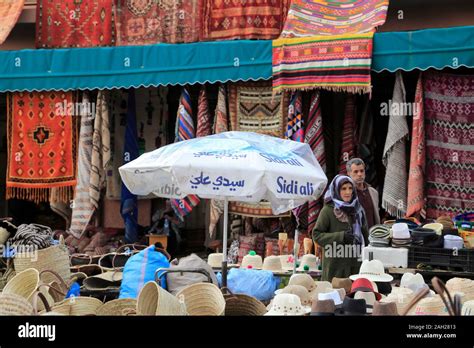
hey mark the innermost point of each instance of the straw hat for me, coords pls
(272, 263)
(311, 263)
(430, 306)
(24, 284)
(344, 283)
(323, 308)
(438, 227)
(215, 260)
(384, 308)
(463, 285)
(331, 295)
(203, 299)
(303, 279)
(297, 290)
(401, 297)
(154, 300)
(369, 298)
(252, 261)
(287, 262)
(468, 308)
(410, 280)
(372, 270)
(289, 305)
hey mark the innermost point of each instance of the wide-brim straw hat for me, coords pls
(372, 270)
(288, 305)
(121, 306)
(203, 299)
(154, 300)
(24, 284)
(297, 290)
(252, 261)
(433, 305)
(272, 263)
(304, 280)
(215, 260)
(12, 304)
(309, 260)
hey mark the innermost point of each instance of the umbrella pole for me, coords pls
(224, 243)
(295, 251)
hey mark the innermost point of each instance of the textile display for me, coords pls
(348, 139)
(184, 131)
(253, 109)
(261, 209)
(100, 156)
(449, 122)
(320, 17)
(242, 19)
(146, 22)
(314, 137)
(394, 155)
(416, 195)
(294, 128)
(42, 140)
(152, 123)
(327, 45)
(82, 207)
(336, 63)
(366, 143)
(10, 11)
(221, 120)
(204, 117)
(71, 23)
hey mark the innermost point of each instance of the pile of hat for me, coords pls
(463, 286)
(401, 237)
(379, 236)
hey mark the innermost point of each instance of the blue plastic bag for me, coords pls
(140, 269)
(256, 283)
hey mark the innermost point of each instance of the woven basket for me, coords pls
(11, 304)
(24, 284)
(78, 306)
(203, 299)
(55, 258)
(116, 307)
(154, 300)
(242, 305)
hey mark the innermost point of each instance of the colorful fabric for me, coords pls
(294, 128)
(246, 244)
(321, 17)
(261, 210)
(416, 195)
(253, 108)
(314, 137)
(128, 204)
(336, 63)
(42, 136)
(82, 207)
(146, 22)
(184, 131)
(242, 19)
(394, 155)
(71, 23)
(152, 122)
(10, 11)
(348, 139)
(449, 124)
(204, 117)
(100, 156)
(220, 119)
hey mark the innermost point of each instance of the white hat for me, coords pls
(252, 261)
(369, 298)
(468, 308)
(400, 231)
(272, 263)
(409, 279)
(372, 270)
(287, 304)
(287, 262)
(297, 290)
(331, 295)
(215, 260)
(453, 242)
(303, 279)
(309, 260)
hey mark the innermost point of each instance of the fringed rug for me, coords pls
(71, 23)
(449, 125)
(42, 140)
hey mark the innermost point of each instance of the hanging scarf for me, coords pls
(394, 157)
(220, 119)
(343, 210)
(204, 117)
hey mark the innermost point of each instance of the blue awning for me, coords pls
(424, 49)
(223, 61)
(135, 66)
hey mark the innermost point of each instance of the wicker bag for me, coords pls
(77, 306)
(120, 306)
(54, 258)
(242, 305)
(11, 304)
(23, 284)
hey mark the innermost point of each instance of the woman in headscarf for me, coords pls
(341, 229)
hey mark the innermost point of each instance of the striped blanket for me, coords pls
(339, 63)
